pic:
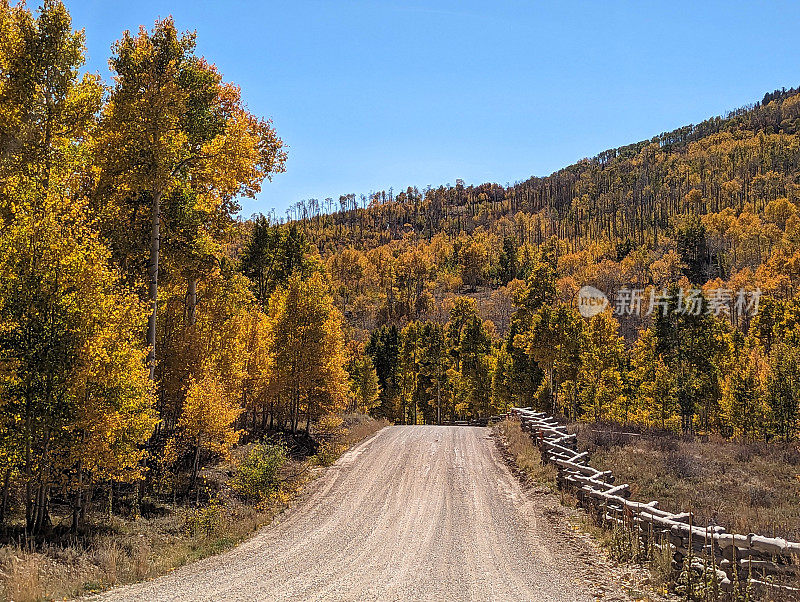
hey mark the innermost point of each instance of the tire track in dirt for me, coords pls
(415, 513)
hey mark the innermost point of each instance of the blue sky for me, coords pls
(373, 94)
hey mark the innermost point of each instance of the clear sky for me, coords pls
(373, 94)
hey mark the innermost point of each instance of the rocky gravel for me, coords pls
(414, 513)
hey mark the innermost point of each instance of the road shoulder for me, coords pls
(559, 518)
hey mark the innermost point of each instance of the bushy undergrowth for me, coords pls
(204, 520)
(257, 475)
(338, 433)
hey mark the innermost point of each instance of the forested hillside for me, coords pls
(464, 297)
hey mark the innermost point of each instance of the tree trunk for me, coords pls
(191, 302)
(152, 276)
(196, 465)
(28, 466)
(87, 501)
(295, 412)
(77, 504)
(38, 515)
(42, 514)
(308, 414)
(4, 503)
(43, 522)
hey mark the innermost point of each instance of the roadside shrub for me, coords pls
(328, 453)
(760, 497)
(206, 520)
(329, 424)
(257, 475)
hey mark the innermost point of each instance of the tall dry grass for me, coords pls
(525, 454)
(744, 487)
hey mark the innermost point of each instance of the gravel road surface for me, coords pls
(414, 513)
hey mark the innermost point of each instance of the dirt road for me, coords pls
(415, 513)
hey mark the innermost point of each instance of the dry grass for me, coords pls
(743, 487)
(125, 551)
(747, 488)
(525, 454)
(358, 427)
(20, 575)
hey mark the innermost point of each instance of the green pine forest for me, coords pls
(146, 328)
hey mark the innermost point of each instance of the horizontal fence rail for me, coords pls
(766, 563)
(472, 422)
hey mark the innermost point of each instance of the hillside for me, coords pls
(712, 206)
(741, 161)
(720, 198)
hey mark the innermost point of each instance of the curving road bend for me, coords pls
(414, 513)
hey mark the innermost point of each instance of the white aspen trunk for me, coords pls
(152, 275)
(191, 302)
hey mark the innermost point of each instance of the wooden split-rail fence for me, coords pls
(736, 561)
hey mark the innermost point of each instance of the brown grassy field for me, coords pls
(122, 550)
(744, 487)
